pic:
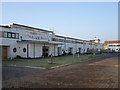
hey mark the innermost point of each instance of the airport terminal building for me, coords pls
(29, 42)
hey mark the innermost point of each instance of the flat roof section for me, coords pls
(115, 41)
(32, 41)
(71, 38)
(5, 26)
(30, 27)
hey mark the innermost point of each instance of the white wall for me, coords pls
(38, 50)
(0, 52)
(115, 47)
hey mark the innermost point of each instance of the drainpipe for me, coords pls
(43, 51)
(21, 38)
(54, 49)
(65, 46)
(27, 50)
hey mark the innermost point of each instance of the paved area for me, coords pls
(14, 71)
(98, 73)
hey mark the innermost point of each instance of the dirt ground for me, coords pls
(98, 73)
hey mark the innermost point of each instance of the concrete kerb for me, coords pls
(78, 62)
(60, 66)
(71, 63)
(28, 66)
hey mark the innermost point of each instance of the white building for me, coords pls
(30, 42)
(112, 46)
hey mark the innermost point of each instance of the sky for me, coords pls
(83, 20)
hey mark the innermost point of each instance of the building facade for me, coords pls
(30, 42)
(112, 46)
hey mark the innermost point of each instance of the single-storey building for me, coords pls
(112, 46)
(30, 42)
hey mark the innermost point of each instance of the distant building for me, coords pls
(113, 46)
(29, 42)
(96, 40)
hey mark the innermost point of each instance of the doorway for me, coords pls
(4, 52)
(70, 51)
(59, 51)
(79, 50)
(88, 51)
(45, 51)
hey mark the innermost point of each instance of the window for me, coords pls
(0, 33)
(114, 45)
(24, 50)
(17, 35)
(13, 35)
(14, 50)
(5, 34)
(9, 35)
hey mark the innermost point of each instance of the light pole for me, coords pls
(73, 49)
(52, 48)
(83, 47)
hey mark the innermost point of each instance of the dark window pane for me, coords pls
(4, 34)
(14, 49)
(24, 50)
(13, 35)
(17, 35)
(0, 33)
(9, 35)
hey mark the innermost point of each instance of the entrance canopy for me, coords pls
(44, 42)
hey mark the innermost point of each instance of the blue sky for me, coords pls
(83, 20)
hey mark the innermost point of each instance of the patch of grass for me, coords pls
(84, 59)
(92, 57)
(45, 62)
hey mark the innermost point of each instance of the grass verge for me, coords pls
(46, 62)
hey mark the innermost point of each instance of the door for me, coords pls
(70, 51)
(88, 50)
(79, 50)
(59, 51)
(5, 52)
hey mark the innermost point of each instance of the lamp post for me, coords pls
(94, 49)
(83, 47)
(78, 50)
(52, 49)
(73, 48)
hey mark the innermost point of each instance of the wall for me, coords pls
(0, 52)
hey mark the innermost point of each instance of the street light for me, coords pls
(53, 34)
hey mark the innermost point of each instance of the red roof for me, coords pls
(106, 42)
